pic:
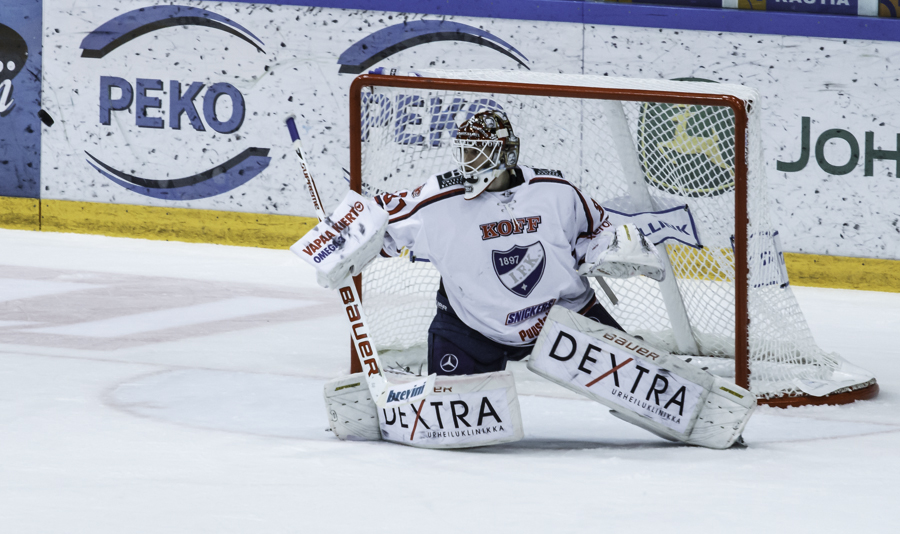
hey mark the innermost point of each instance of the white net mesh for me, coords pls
(685, 155)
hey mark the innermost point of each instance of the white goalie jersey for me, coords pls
(504, 257)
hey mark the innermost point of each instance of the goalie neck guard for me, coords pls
(484, 147)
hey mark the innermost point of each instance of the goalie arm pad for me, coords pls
(344, 243)
(643, 385)
(623, 254)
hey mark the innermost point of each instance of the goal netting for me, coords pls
(635, 146)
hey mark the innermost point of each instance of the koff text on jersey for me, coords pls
(504, 228)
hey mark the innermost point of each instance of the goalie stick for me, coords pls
(386, 395)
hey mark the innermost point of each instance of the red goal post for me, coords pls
(499, 85)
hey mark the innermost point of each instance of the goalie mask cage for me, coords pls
(638, 145)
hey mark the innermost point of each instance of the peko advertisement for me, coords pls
(183, 105)
(222, 108)
(149, 112)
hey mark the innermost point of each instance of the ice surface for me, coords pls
(198, 408)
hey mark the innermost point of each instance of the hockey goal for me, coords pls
(635, 146)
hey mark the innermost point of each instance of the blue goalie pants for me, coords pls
(456, 349)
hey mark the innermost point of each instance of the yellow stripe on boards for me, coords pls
(20, 213)
(174, 224)
(811, 270)
(281, 231)
(703, 264)
(841, 272)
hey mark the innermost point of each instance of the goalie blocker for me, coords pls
(344, 243)
(460, 412)
(643, 385)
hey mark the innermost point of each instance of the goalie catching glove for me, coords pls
(344, 243)
(625, 254)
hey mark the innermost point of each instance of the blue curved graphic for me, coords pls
(129, 26)
(393, 39)
(222, 178)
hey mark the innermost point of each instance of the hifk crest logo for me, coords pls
(520, 268)
(120, 95)
(13, 53)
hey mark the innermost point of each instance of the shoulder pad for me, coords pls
(547, 172)
(449, 179)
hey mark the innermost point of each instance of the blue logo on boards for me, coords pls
(221, 178)
(404, 112)
(20, 99)
(407, 111)
(520, 268)
(399, 37)
(13, 53)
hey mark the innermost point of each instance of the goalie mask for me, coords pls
(485, 146)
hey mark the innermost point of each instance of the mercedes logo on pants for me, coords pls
(449, 363)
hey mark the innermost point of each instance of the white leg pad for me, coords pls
(352, 413)
(723, 416)
(461, 412)
(643, 385)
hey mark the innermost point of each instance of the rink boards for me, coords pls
(186, 121)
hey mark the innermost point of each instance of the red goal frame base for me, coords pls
(866, 393)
